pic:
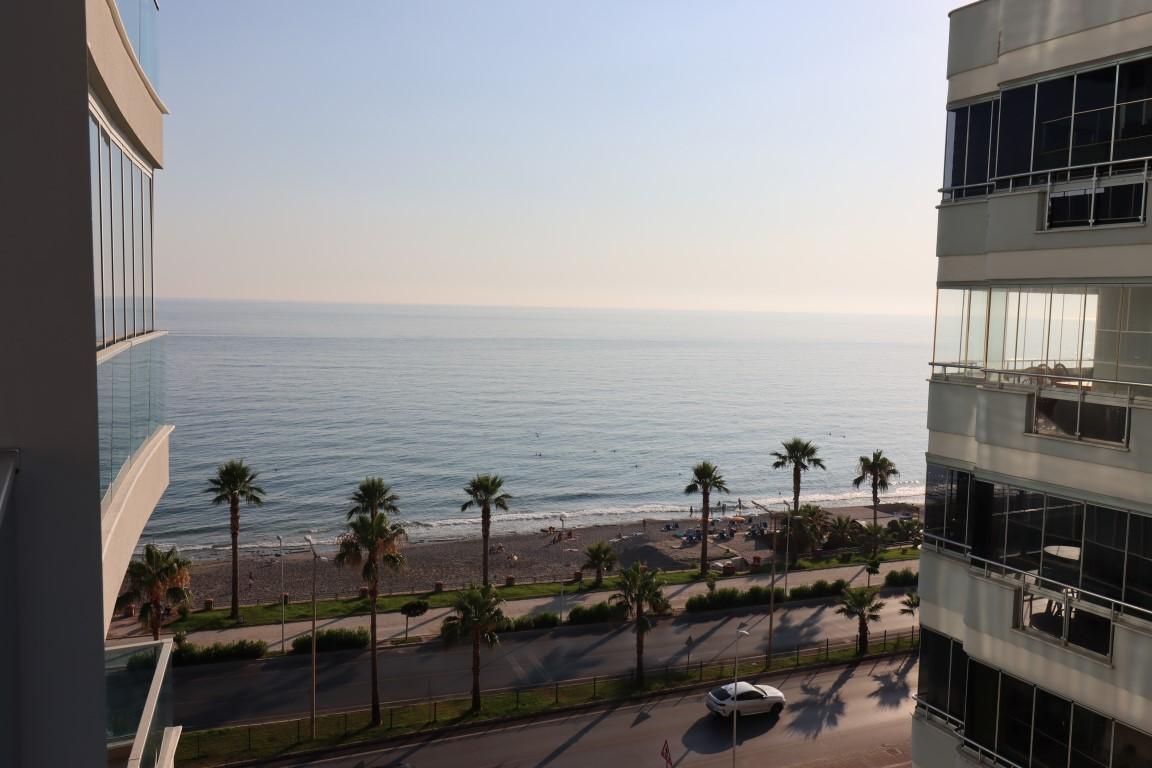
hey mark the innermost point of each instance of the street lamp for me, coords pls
(787, 543)
(740, 632)
(316, 558)
(282, 609)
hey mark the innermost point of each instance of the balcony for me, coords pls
(138, 722)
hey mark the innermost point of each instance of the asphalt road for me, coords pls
(857, 716)
(219, 694)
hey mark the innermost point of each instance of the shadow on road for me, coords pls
(820, 708)
(711, 734)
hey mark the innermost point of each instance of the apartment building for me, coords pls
(83, 442)
(1036, 579)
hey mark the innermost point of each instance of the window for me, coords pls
(979, 713)
(957, 680)
(988, 515)
(1050, 736)
(97, 257)
(969, 147)
(979, 142)
(1014, 726)
(961, 318)
(1063, 533)
(1138, 581)
(1133, 748)
(109, 291)
(117, 216)
(1014, 148)
(935, 668)
(1024, 527)
(956, 514)
(1091, 739)
(1105, 537)
(1053, 123)
(935, 500)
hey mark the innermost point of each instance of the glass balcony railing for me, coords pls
(138, 685)
(140, 20)
(130, 392)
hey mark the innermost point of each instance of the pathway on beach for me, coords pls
(391, 625)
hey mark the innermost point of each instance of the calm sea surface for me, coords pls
(597, 415)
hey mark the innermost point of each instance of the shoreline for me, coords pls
(526, 557)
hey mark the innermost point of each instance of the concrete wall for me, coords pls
(52, 673)
(935, 746)
(119, 82)
(986, 428)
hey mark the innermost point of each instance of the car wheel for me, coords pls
(777, 708)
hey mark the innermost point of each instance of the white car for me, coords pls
(745, 698)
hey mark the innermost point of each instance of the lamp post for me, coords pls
(740, 632)
(787, 543)
(282, 609)
(771, 607)
(316, 558)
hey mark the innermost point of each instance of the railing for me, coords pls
(405, 716)
(983, 754)
(139, 686)
(1136, 167)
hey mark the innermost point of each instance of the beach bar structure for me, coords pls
(83, 438)
(1036, 576)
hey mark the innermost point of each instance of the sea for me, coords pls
(590, 416)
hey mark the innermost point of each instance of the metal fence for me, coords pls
(410, 715)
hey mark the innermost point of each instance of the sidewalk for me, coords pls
(391, 625)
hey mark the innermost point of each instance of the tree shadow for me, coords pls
(711, 735)
(821, 708)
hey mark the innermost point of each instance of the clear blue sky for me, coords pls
(633, 153)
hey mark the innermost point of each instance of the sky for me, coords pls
(646, 154)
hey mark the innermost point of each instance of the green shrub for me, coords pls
(904, 577)
(332, 640)
(545, 620)
(141, 660)
(190, 653)
(598, 612)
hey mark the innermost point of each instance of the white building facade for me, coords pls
(1036, 577)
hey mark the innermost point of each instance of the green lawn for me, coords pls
(266, 741)
(337, 608)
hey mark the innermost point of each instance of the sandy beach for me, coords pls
(525, 556)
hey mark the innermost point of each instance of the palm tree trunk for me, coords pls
(862, 644)
(155, 621)
(639, 648)
(875, 503)
(485, 530)
(792, 557)
(599, 575)
(372, 592)
(704, 513)
(234, 506)
(476, 669)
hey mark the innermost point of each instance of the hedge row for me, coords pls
(597, 612)
(730, 597)
(186, 654)
(904, 577)
(332, 640)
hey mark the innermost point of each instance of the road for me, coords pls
(219, 694)
(849, 717)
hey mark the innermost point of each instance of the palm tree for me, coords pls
(813, 524)
(860, 604)
(601, 557)
(706, 478)
(872, 538)
(235, 482)
(880, 469)
(800, 455)
(372, 497)
(910, 602)
(842, 532)
(371, 543)
(640, 589)
(485, 492)
(477, 614)
(154, 579)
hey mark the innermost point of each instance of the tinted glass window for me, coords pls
(980, 707)
(721, 695)
(979, 141)
(1014, 148)
(957, 146)
(116, 164)
(1091, 739)
(1092, 137)
(1135, 81)
(1095, 89)
(97, 260)
(1025, 521)
(958, 680)
(1015, 722)
(1050, 737)
(1053, 123)
(1071, 208)
(1120, 204)
(1133, 749)
(1105, 533)
(106, 236)
(935, 496)
(1133, 130)
(956, 523)
(935, 665)
(1063, 529)
(1138, 582)
(987, 521)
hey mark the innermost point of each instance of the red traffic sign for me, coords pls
(666, 753)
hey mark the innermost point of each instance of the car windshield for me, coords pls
(721, 694)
